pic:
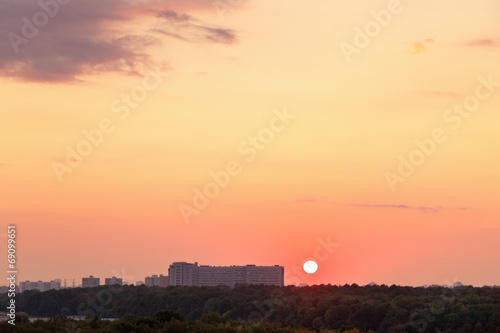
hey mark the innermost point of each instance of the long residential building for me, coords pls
(189, 274)
(40, 285)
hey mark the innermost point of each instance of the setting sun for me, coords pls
(310, 267)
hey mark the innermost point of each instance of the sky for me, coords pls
(359, 134)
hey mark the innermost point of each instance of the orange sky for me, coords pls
(233, 76)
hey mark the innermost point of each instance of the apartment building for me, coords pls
(155, 280)
(40, 285)
(90, 282)
(112, 281)
(189, 274)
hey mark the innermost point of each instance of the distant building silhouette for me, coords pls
(112, 281)
(90, 282)
(40, 285)
(155, 280)
(188, 274)
(183, 274)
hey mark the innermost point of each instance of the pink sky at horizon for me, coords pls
(322, 176)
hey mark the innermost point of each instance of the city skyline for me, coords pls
(164, 280)
(253, 276)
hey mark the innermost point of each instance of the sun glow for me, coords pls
(310, 267)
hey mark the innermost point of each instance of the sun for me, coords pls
(310, 267)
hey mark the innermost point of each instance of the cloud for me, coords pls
(185, 27)
(61, 43)
(421, 208)
(421, 46)
(484, 42)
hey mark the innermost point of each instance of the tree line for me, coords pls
(322, 307)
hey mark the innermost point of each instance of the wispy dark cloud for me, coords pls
(185, 27)
(482, 42)
(420, 208)
(62, 43)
